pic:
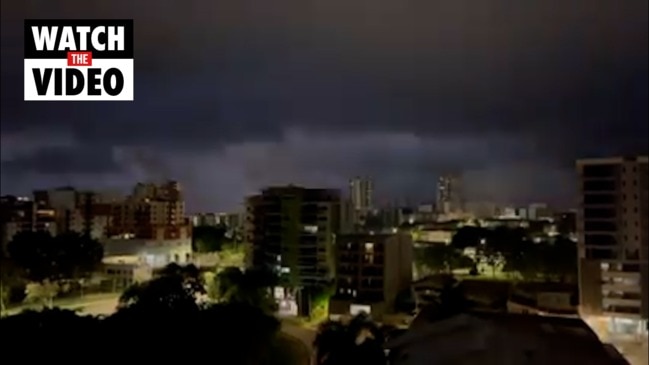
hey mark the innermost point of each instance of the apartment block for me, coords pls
(291, 230)
(371, 270)
(20, 214)
(152, 211)
(361, 191)
(450, 194)
(205, 219)
(612, 222)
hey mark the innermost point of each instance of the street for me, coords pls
(105, 306)
(95, 304)
(304, 335)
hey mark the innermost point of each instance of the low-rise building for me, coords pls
(371, 270)
(434, 236)
(154, 253)
(120, 272)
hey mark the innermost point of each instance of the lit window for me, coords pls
(311, 229)
(369, 247)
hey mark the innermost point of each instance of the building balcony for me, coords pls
(617, 314)
(626, 288)
(617, 302)
(620, 274)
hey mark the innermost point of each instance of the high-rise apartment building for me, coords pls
(371, 270)
(152, 211)
(361, 192)
(84, 212)
(613, 241)
(358, 206)
(291, 231)
(450, 196)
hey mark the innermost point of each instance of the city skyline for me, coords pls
(381, 203)
(269, 95)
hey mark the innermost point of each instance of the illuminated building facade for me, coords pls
(371, 270)
(613, 243)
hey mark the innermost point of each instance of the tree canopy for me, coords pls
(66, 256)
(156, 321)
(239, 334)
(176, 288)
(251, 287)
(549, 260)
(515, 250)
(441, 258)
(209, 238)
(468, 236)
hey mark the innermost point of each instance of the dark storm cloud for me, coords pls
(558, 80)
(63, 160)
(405, 167)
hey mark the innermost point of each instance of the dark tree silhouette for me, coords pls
(34, 253)
(43, 329)
(468, 236)
(251, 287)
(507, 241)
(563, 259)
(550, 261)
(157, 321)
(239, 334)
(209, 238)
(12, 286)
(441, 258)
(176, 288)
(67, 256)
(358, 342)
(78, 255)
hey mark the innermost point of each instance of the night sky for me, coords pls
(234, 95)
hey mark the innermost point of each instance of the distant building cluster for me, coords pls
(147, 228)
(314, 238)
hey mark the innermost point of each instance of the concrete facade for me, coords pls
(613, 241)
(371, 270)
(154, 253)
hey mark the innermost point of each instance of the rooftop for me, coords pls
(567, 338)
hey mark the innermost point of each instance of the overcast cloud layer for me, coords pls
(232, 95)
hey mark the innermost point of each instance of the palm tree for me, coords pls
(358, 342)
